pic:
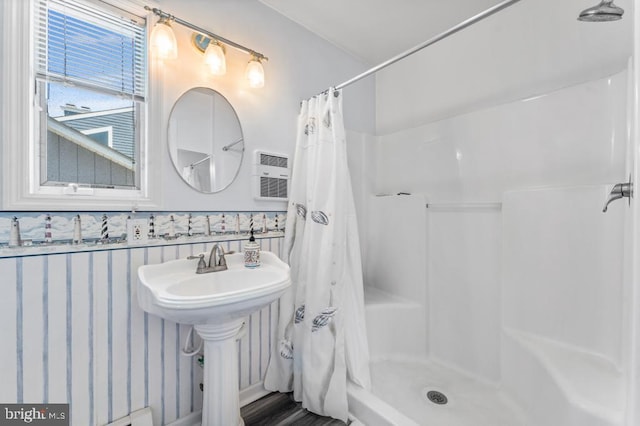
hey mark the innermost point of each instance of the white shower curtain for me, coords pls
(321, 336)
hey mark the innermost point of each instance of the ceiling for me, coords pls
(376, 30)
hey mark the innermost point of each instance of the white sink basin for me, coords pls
(216, 304)
(172, 290)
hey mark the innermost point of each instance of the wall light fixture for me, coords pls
(214, 58)
(163, 40)
(164, 45)
(255, 73)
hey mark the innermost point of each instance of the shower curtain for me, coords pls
(321, 336)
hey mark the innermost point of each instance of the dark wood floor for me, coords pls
(279, 409)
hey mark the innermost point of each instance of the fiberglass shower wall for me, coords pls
(514, 130)
(466, 222)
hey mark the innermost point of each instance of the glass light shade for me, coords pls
(255, 74)
(163, 41)
(215, 60)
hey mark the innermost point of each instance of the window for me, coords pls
(90, 74)
(86, 106)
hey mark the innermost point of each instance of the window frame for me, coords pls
(21, 188)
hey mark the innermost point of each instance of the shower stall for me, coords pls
(497, 290)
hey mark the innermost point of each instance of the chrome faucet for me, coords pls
(619, 190)
(216, 263)
(221, 263)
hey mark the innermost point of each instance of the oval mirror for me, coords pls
(205, 140)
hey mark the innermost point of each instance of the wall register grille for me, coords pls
(272, 175)
(273, 188)
(274, 160)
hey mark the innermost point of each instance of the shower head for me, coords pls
(605, 11)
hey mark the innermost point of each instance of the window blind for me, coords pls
(80, 43)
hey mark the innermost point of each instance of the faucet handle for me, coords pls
(221, 260)
(202, 265)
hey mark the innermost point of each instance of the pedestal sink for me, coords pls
(216, 303)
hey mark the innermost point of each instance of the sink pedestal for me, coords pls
(221, 403)
(216, 304)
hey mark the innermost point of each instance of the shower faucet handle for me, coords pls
(619, 190)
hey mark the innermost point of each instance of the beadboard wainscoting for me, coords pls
(72, 332)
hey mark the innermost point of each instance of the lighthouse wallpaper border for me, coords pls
(26, 233)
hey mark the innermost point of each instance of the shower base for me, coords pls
(399, 396)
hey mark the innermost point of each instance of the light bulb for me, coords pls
(255, 73)
(163, 41)
(214, 58)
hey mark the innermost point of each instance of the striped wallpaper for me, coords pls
(72, 332)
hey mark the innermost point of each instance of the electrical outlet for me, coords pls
(137, 231)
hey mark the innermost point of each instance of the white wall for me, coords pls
(300, 65)
(361, 161)
(633, 413)
(2, 12)
(575, 136)
(464, 288)
(563, 267)
(531, 48)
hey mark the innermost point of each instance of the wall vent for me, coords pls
(271, 173)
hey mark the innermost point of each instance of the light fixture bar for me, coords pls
(209, 34)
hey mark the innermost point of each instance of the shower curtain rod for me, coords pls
(462, 25)
(195, 163)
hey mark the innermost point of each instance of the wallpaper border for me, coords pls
(25, 233)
